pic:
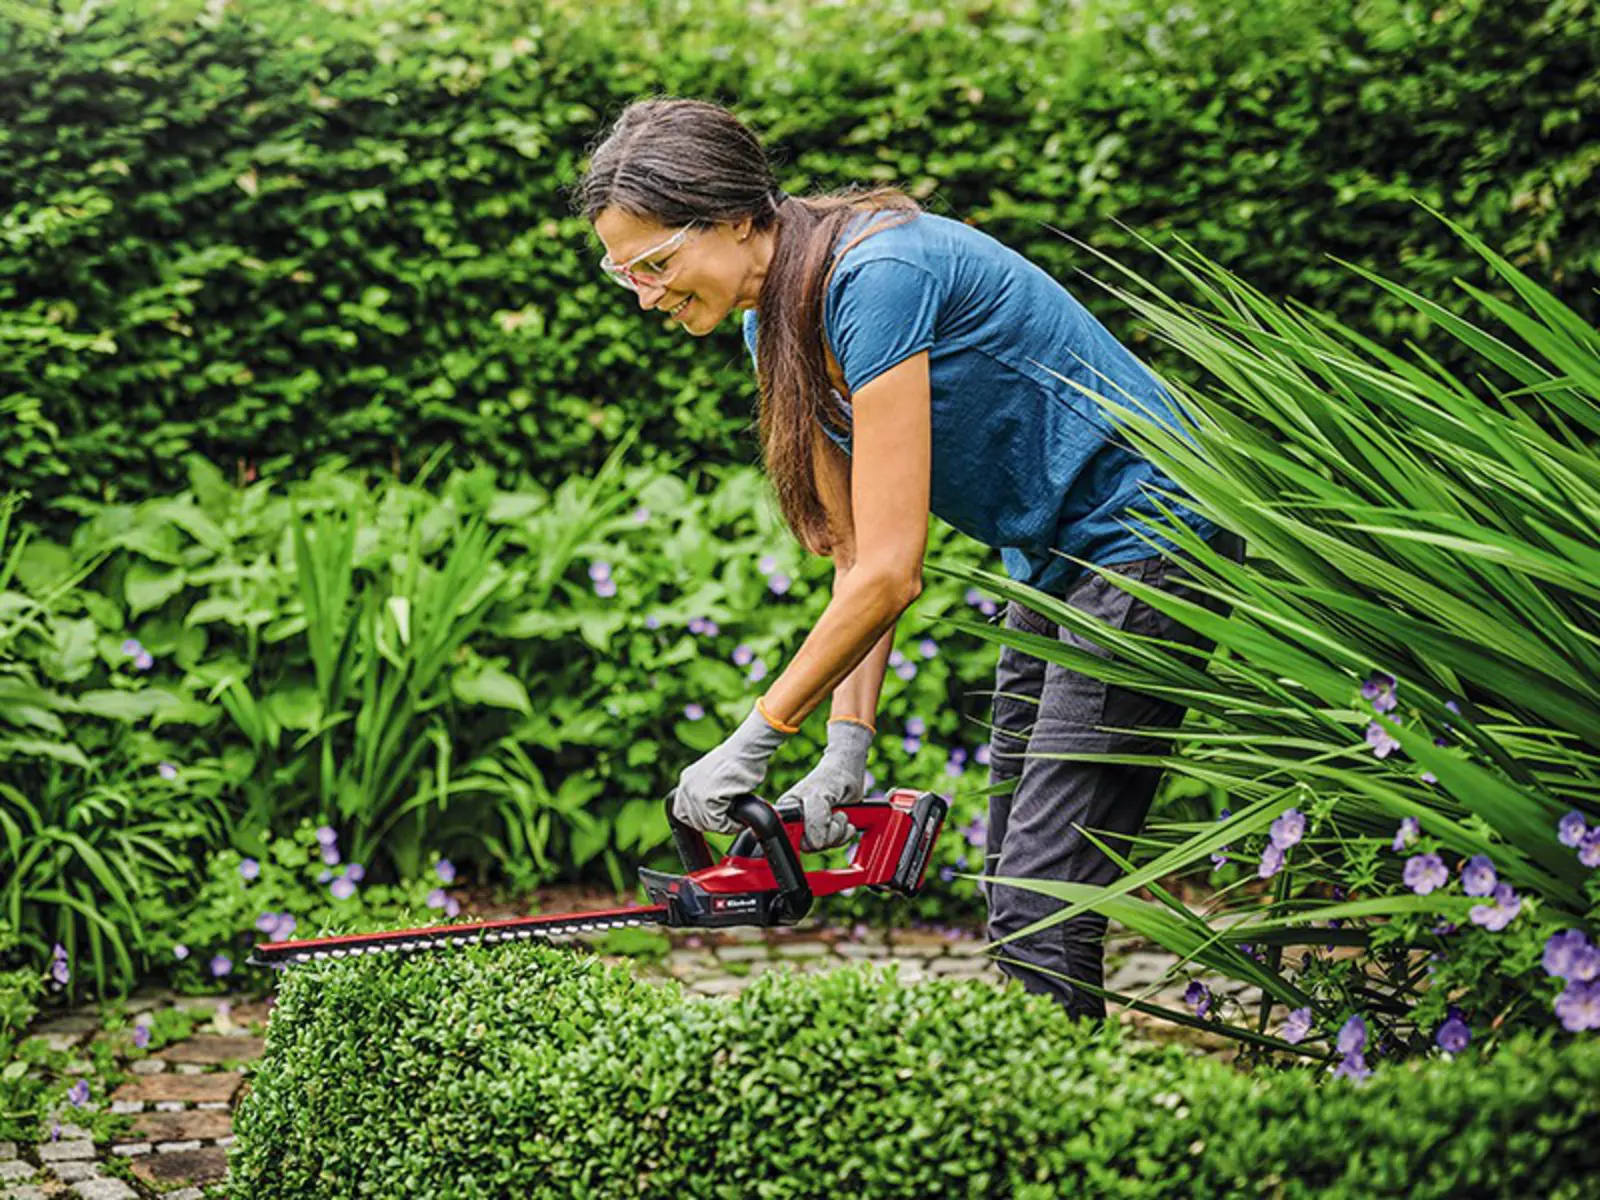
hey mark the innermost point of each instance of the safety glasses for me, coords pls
(647, 269)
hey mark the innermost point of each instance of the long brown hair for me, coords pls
(678, 161)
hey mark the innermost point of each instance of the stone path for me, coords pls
(182, 1097)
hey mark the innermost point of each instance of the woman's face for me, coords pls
(716, 269)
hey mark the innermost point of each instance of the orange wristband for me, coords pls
(772, 720)
(870, 727)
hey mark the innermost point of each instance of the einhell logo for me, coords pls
(733, 903)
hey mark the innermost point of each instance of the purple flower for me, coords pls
(1589, 851)
(652, 622)
(896, 658)
(1219, 858)
(711, 629)
(286, 925)
(330, 855)
(250, 869)
(1453, 1035)
(166, 770)
(912, 745)
(437, 898)
(697, 625)
(1287, 829)
(143, 661)
(324, 876)
(981, 755)
(1296, 1025)
(1495, 917)
(1380, 689)
(1353, 1067)
(326, 835)
(1380, 740)
(1578, 1006)
(1572, 828)
(757, 671)
(59, 970)
(1352, 1037)
(220, 966)
(779, 584)
(451, 908)
(1271, 862)
(906, 671)
(141, 1036)
(641, 515)
(1197, 997)
(767, 564)
(132, 648)
(1477, 877)
(988, 608)
(267, 922)
(952, 768)
(605, 588)
(180, 952)
(868, 781)
(693, 712)
(599, 571)
(947, 873)
(1408, 833)
(928, 648)
(445, 870)
(1425, 873)
(79, 1093)
(974, 597)
(1568, 955)
(958, 756)
(355, 872)
(742, 654)
(1429, 777)
(916, 726)
(976, 832)
(342, 889)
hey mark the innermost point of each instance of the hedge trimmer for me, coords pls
(758, 882)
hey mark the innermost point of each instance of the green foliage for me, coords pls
(534, 1072)
(1412, 639)
(270, 231)
(436, 667)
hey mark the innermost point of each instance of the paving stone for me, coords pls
(104, 1189)
(225, 1142)
(127, 1106)
(170, 1105)
(723, 985)
(190, 1069)
(1140, 971)
(149, 1066)
(208, 1164)
(131, 1149)
(965, 967)
(72, 1133)
(25, 1193)
(14, 1170)
(50, 1152)
(73, 1022)
(7, 1150)
(179, 1127)
(200, 1004)
(176, 1147)
(220, 1085)
(809, 948)
(753, 952)
(76, 1172)
(184, 1194)
(143, 1002)
(858, 950)
(214, 1104)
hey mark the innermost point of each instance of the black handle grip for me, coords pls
(761, 820)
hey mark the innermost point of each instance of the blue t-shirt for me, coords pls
(1021, 460)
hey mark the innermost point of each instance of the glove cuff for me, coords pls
(757, 735)
(849, 740)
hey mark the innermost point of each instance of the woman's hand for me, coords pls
(838, 779)
(708, 785)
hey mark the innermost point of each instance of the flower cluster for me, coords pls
(439, 898)
(1425, 873)
(600, 575)
(976, 599)
(142, 659)
(1281, 834)
(777, 582)
(1352, 1043)
(60, 972)
(1198, 997)
(1574, 832)
(1570, 956)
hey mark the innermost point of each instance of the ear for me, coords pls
(743, 227)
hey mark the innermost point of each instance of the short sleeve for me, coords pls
(879, 314)
(750, 336)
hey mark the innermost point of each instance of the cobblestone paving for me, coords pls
(182, 1098)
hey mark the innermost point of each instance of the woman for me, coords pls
(929, 353)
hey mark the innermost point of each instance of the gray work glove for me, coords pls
(839, 778)
(709, 784)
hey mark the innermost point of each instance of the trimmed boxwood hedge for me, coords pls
(537, 1072)
(272, 231)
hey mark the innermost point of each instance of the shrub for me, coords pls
(531, 1071)
(272, 231)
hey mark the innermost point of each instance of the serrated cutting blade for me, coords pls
(511, 929)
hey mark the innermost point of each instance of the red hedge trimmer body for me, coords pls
(758, 882)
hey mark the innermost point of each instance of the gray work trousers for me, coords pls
(1041, 708)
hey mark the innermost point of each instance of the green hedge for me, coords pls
(535, 1072)
(289, 230)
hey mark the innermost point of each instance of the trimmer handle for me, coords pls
(763, 825)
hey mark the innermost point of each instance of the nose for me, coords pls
(650, 295)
